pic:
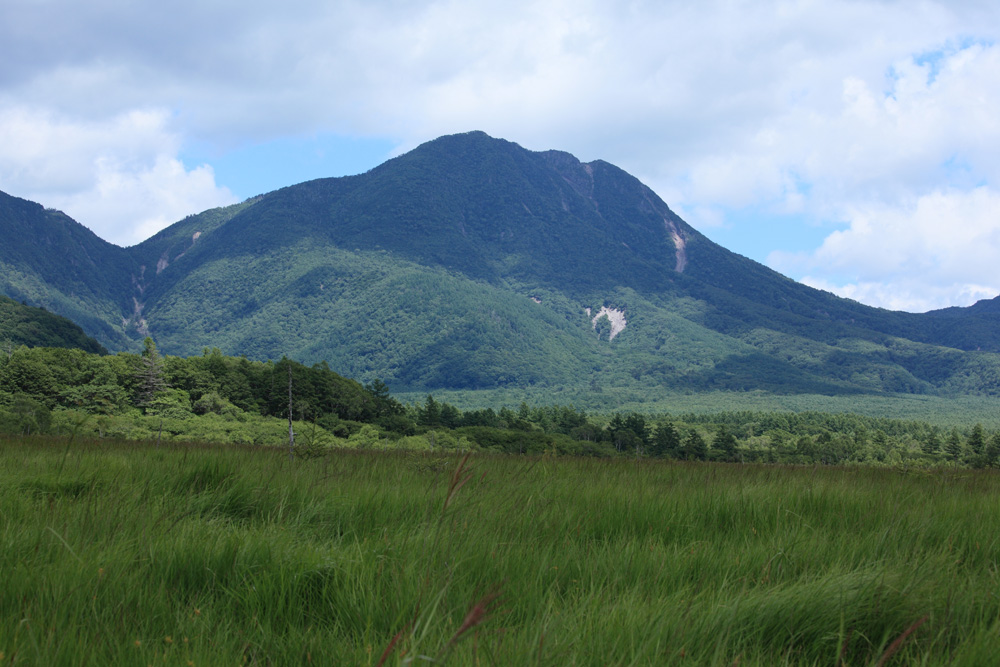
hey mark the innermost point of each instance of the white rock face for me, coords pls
(615, 317)
(681, 253)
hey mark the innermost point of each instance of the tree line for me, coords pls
(40, 386)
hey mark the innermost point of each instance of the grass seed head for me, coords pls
(477, 614)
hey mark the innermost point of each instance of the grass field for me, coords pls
(130, 554)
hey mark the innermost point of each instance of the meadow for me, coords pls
(119, 553)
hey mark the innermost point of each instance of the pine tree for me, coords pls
(636, 423)
(725, 442)
(977, 446)
(149, 375)
(932, 443)
(430, 414)
(450, 416)
(695, 448)
(993, 451)
(385, 404)
(616, 428)
(953, 446)
(666, 441)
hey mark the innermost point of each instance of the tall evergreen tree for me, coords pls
(932, 443)
(993, 451)
(149, 375)
(430, 414)
(616, 429)
(725, 442)
(450, 416)
(666, 441)
(695, 448)
(953, 446)
(637, 424)
(385, 404)
(977, 446)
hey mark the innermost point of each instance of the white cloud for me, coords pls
(130, 205)
(120, 177)
(921, 132)
(938, 250)
(906, 294)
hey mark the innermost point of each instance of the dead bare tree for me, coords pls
(291, 431)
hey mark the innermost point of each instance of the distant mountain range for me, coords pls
(472, 263)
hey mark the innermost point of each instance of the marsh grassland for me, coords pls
(132, 554)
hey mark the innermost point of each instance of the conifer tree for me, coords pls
(993, 451)
(725, 442)
(149, 375)
(695, 448)
(430, 414)
(450, 416)
(953, 446)
(932, 443)
(636, 423)
(666, 441)
(977, 446)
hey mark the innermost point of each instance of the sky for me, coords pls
(854, 146)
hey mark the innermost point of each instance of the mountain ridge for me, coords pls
(470, 262)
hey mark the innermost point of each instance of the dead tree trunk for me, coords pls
(291, 432)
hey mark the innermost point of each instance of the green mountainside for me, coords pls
(21, 324)
(472, 263)
(49, 260)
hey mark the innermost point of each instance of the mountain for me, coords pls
(21, 324)
(472, 263)
(47, 259)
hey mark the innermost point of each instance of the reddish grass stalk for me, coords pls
(457, 481)
(898, 643)
(477, 615)
(392, 644)
(843, 648)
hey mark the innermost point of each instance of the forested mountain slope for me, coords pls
(21, 324)
(471, 262)
(48, 259)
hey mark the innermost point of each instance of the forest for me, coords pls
(224, 399)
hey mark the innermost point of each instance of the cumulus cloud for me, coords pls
(906, 293)
(118, 176)
(938, 250)
(128, 205)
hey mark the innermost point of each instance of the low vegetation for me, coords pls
(216, 398)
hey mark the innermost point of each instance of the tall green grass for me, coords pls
(133, 554)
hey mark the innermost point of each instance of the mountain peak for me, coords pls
(473, 262)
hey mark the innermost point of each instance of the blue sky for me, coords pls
(854, 146)
(258, 168)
